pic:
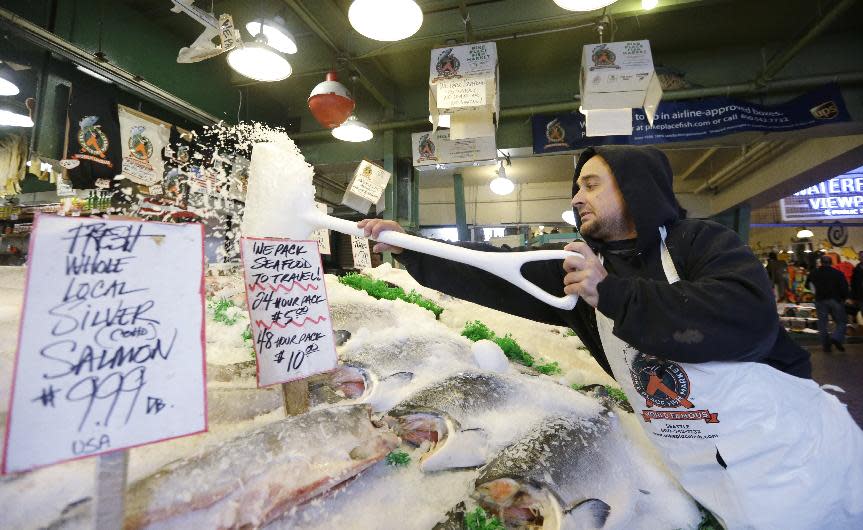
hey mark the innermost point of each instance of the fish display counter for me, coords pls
(441, 414)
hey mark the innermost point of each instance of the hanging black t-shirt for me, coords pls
(94, 135)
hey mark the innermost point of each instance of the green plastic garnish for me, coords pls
(398, 459)
(380, 290)
(479, 520)
(614, 393)
(570, 333)
(220, 311)
(477, 330)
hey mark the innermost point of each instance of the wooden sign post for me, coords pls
(290, 317)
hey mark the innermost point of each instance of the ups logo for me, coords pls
(825, 111)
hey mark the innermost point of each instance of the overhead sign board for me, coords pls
(838, 198)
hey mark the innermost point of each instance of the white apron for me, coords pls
(794, 455)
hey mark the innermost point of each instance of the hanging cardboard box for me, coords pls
(463, 89)
(436, 150)
(615, 78)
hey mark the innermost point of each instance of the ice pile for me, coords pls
(280, 189)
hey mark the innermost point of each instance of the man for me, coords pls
(831, 290)
(857, 283)
(777, 270)
(681, 313)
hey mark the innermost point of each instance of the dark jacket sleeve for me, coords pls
(843, 287)
(856, 281)
(481, 287)
(722, 309)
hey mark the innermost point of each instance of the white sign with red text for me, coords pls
(290, 317)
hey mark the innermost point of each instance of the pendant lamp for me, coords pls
(8, 88)
(353, 130)
(583, 5)
(385, 20)
(276, 33)
(330, 102)
(259, 61)
(804, 233)
(501, 185)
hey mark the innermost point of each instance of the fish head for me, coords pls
(351, 381)
(519, 504)
(421, 427)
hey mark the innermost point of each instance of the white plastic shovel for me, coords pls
(506, 265)
(280, 203)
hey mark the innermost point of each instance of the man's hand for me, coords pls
(583, 275)
(373, 229)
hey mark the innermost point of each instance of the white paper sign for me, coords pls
(111, 351)
(369, 181)
(463, 92)
(322, 235)
(360, 248)
(290, 318)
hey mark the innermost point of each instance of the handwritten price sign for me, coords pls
(360, 249)
(290, 316)
(111, 349)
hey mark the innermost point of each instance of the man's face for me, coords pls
(600, 204)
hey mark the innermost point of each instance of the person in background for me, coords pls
(831, 290)
(857, 283)
(844, 267)
(682, 315)
(777, 269)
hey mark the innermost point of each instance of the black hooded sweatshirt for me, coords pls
(722, 309)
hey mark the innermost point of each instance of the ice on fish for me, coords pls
(226, 405)
(254, 478)
(381, 367)
(546, 477)
(469, 415)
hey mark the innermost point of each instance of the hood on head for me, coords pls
(645, 179)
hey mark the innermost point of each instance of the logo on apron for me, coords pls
(664, 384)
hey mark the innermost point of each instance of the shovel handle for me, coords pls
(506, 265)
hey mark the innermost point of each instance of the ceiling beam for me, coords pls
(618, 11)
(697, 164)
(366, 78)
(778, 63)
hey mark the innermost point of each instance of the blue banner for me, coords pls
(683, 121)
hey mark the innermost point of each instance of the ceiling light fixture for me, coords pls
(8, 88)
(91, 73)
(501, 185)
(259, 61)
(569, 216)
(805, 233)
(385, 20)
(13, 119)
(277, 35)
(583, 5)
(649, 4)
(353, 130)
